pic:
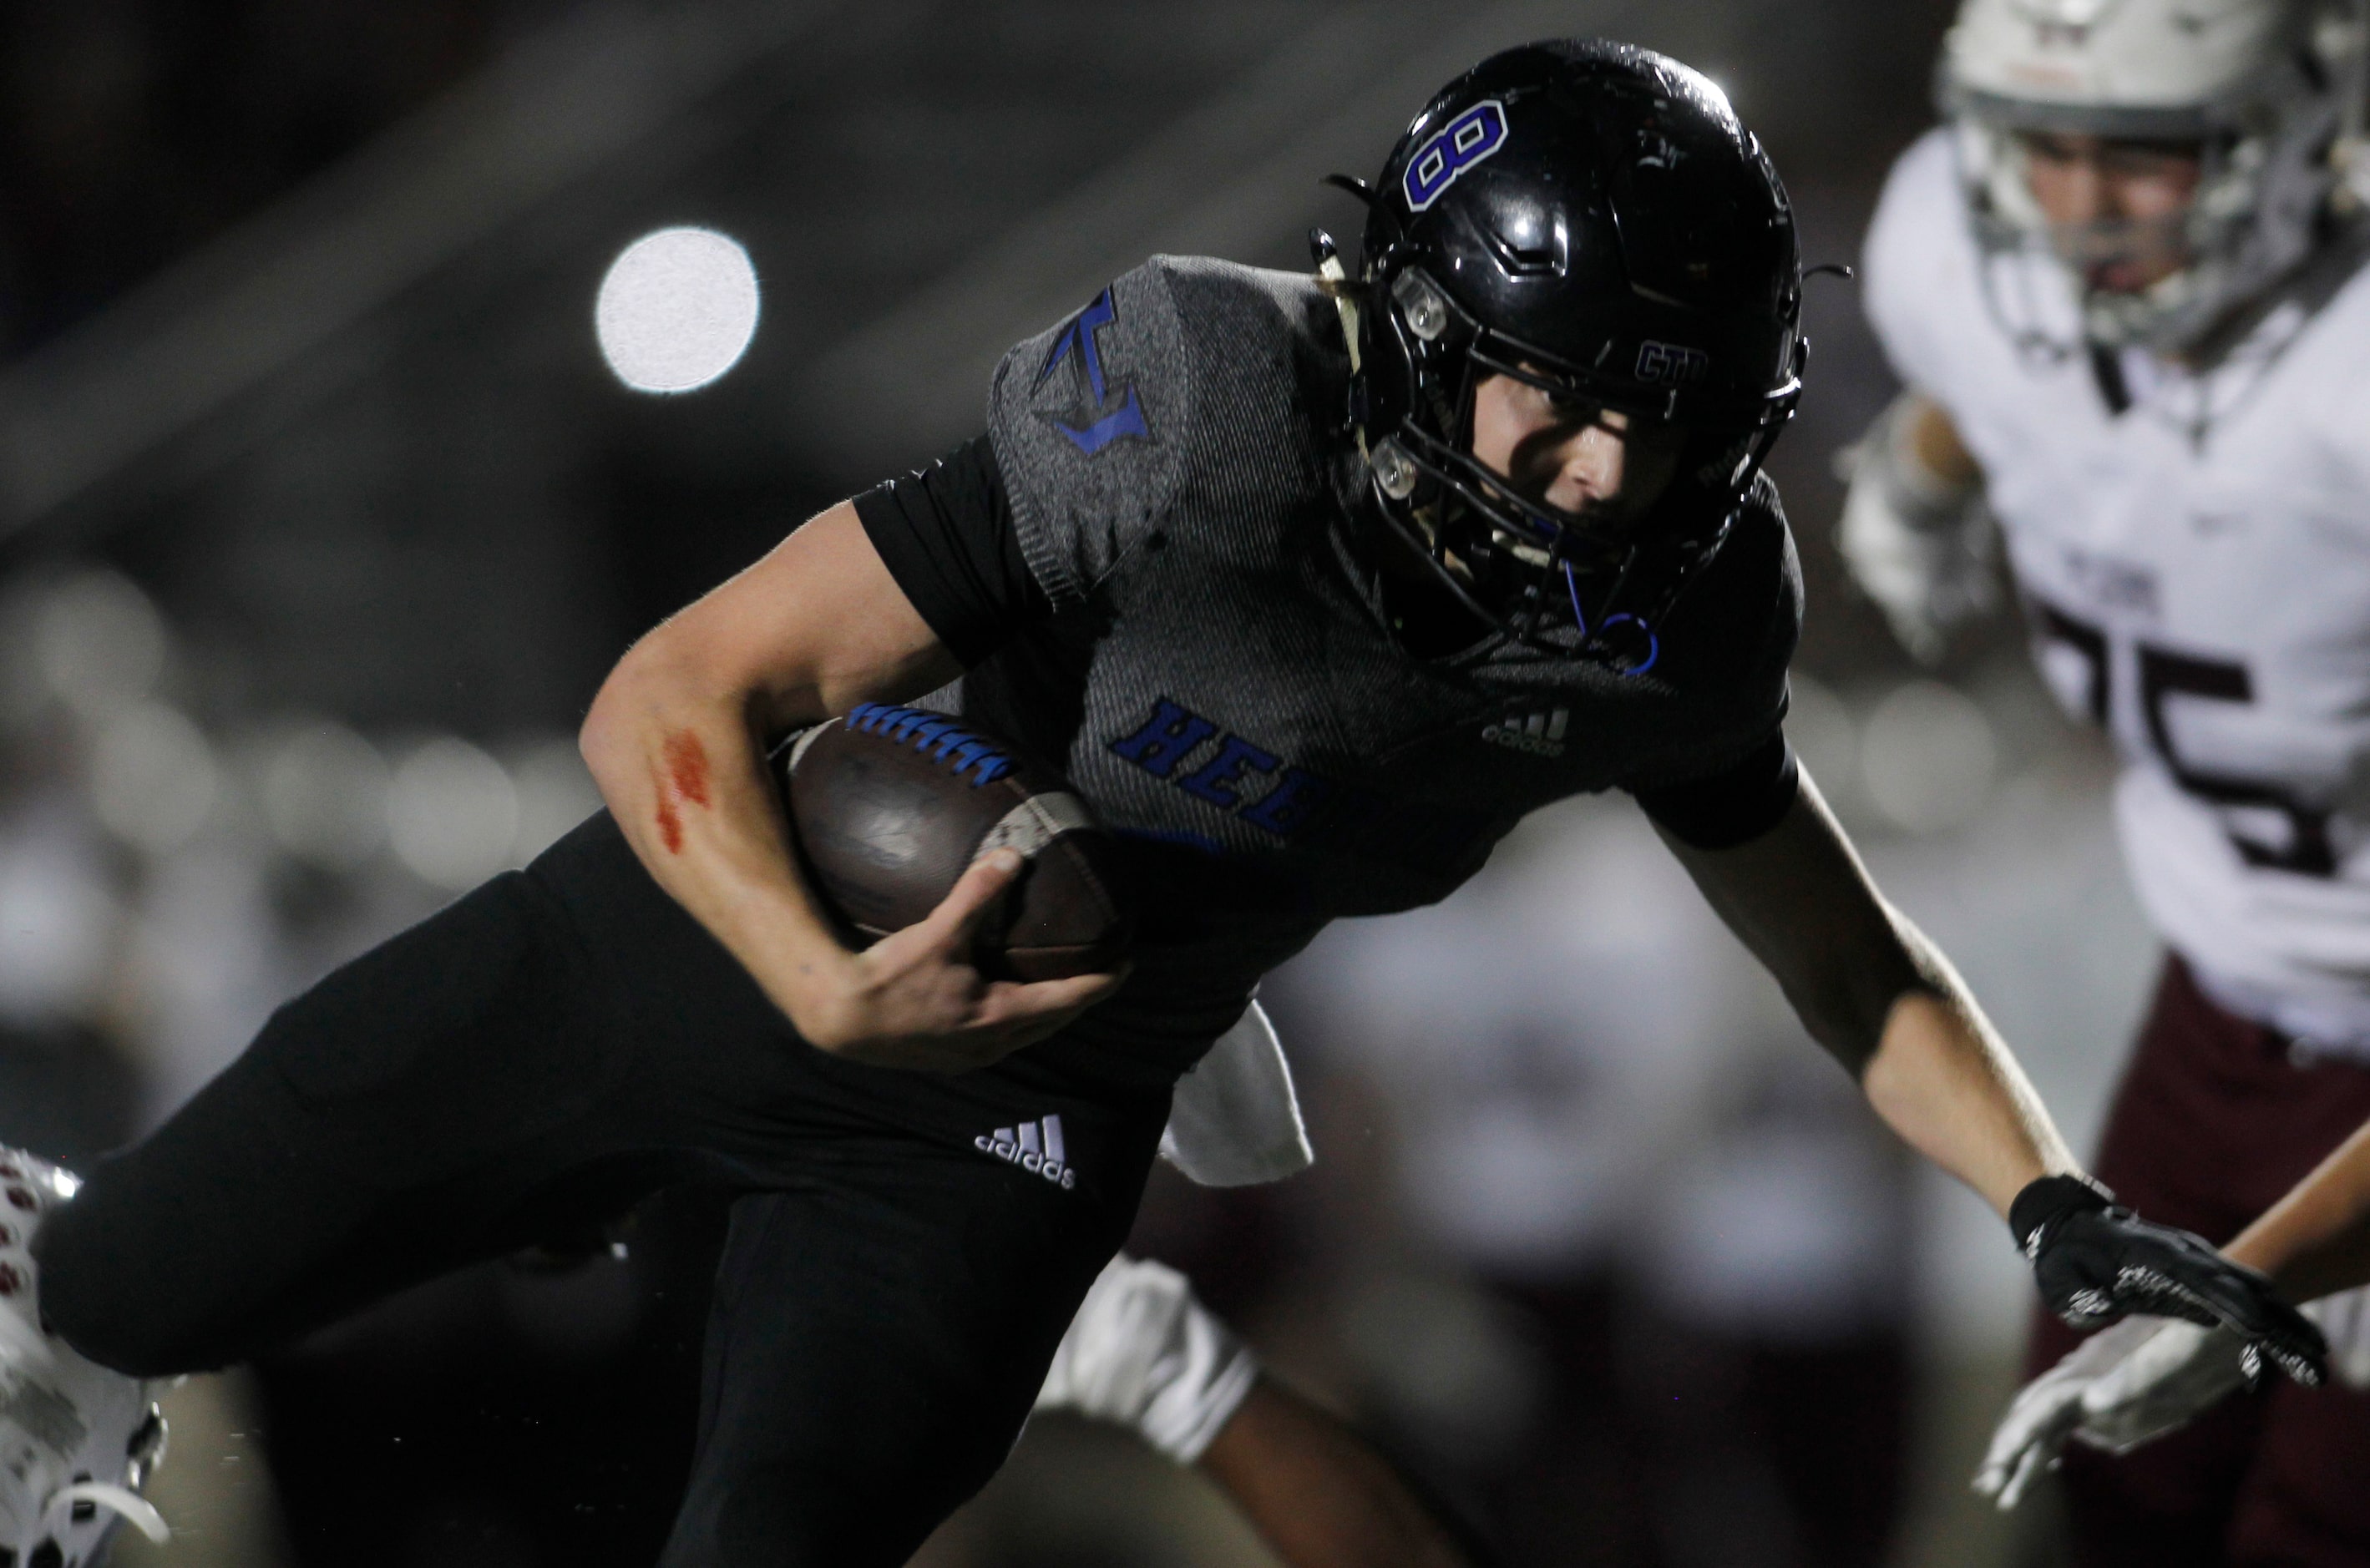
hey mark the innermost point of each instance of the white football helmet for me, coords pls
(2271, 90)
(76, 1440)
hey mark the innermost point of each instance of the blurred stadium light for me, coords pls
(324, 792)
(616, 89)
(676, 310)
(1927, 757)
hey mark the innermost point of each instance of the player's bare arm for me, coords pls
(2315, 1240)
(1867, 983)
(1878, 995)
(1874, 991)
(676, 740)
(1146, 1355)
(1318, 1493)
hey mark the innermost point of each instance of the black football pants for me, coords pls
(546, 1049)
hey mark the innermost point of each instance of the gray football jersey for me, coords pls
(1219, 683)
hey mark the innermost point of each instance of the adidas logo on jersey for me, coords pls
(1539, 734)
(1035, 1147)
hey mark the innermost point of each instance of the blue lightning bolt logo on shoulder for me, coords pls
(1098, 424)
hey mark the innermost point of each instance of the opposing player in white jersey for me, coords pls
(2124, 287)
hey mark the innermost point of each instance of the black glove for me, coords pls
(2096, 1261)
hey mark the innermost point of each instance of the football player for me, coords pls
(1312, 587)
(2123, 286)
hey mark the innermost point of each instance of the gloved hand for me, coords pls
(2046, 1410)
(1923, 548)
(2173, 1376)
(2123, 1387)
(2096, 1261)
(1142, 1353)
(2142, 1379)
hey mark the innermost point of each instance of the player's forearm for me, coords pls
(679, 758)
(1870, 988)
(1942, 1078)
(2316, 1239)
(1319, 1495)
(675, 740)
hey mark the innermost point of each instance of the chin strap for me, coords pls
(1330, 268)
(1345, 304)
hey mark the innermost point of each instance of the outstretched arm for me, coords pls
(1882, 999)
(676, 741)
(1873, 990)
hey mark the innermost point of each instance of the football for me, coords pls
(889, 805)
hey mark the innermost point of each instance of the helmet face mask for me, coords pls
(2141, 199)
(2261, 90)
(1443, 445)
(1589, 219)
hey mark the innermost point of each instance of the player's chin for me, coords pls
(1613, 518)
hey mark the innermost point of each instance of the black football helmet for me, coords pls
(1590, 218)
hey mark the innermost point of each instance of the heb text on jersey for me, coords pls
(1102, 413)
(1299, 804)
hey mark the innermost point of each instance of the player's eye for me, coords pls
(2150, 160)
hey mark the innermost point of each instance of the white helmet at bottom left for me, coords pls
(76, 1440)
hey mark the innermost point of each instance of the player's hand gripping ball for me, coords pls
(888, 808)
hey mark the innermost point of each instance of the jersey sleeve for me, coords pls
(1733, 806)
(1085, 420)
(1914, 260)
(944, 532)
(1727, 645)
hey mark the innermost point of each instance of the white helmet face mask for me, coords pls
(2268, 92)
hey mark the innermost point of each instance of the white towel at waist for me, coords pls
(1235, 1121)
